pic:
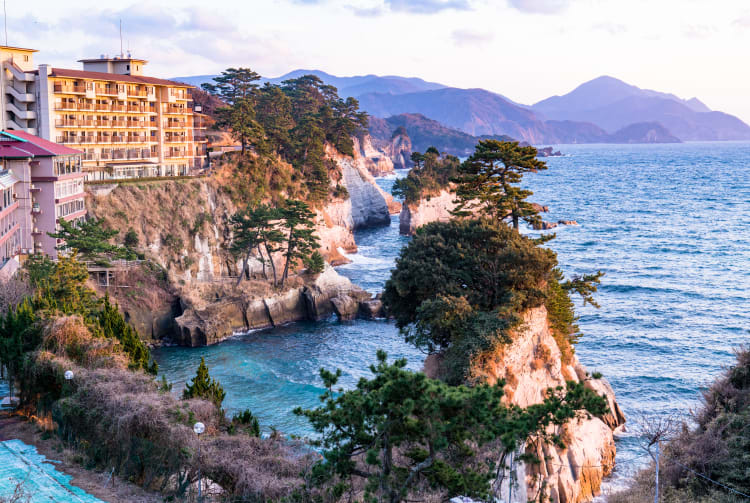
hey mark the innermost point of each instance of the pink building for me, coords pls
(44, 182)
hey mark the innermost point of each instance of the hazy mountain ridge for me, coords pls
(604, 109)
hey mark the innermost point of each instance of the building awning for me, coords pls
(7, 179)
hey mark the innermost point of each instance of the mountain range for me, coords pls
(603, 110)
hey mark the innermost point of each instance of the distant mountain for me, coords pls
(347, 86)
(425, 133)
(603, 109)
(612, 105)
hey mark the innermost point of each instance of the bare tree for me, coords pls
(12, 292)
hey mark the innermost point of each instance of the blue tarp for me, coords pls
(40, 480)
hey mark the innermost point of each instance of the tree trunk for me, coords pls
(263, 262)
(244, 268)
(515, 220)
(289, 252)
(273, 266)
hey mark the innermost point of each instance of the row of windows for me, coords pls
(9, 248)
(7, 198)
(7, 223)
(65, 209)
(68, 188)
(65, 165)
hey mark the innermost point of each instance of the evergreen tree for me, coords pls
(113, 325)
(19, 335)
(247, 422)
(90, 240)
(301, 240)
(402, 432)
(488, 181)
(252, 228)
(239, 118)
(233, 85)
(315, 263)
(204, 387)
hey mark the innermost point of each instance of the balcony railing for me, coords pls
(70, 88)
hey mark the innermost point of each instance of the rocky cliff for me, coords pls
(430, 209)
(182, 226)
(531, 364)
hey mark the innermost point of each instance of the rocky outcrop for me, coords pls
(399, 149)
(378, 162)
(531, 364)
(212, 322)
(430, 209)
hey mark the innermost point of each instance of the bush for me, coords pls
(131, 238)
(315, 263)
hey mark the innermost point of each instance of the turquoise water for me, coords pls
(39, 480)
(668, 224)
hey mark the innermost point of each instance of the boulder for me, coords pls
(567, 222)
(371, 309)
(345, 306)
(544, 226)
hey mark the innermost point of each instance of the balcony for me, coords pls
(35, 209)
(175, 139)
(137, 94)
(70, 89)
(175, 110)
(137, 109)
(175, 124)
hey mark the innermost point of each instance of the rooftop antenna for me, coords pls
(121, 53)
(5, 20)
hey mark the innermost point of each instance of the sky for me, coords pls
(526, 50)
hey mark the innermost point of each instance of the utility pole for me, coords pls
(656, 493)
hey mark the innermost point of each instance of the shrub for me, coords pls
(315, 263)
(131, 238)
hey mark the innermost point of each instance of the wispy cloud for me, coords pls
(427, 6)
(611, 28)
(699, 31)
(540, 6)
(375, 11)
(467, 37)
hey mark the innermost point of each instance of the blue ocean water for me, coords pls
(668, 224)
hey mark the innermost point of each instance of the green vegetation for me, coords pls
(405, 435)
(431, 173)
(294, 121)
(245, 421)
(714, 443)
(489, 180)
(460, 287)
(315, 263)
(204, 387)
(288, 228)
(91, 241)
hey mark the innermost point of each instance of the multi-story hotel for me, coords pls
(41, 183)
(126, 124)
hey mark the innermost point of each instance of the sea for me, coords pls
(669, 225)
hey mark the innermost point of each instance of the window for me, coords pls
(65, 209)
(68, 188)
(66, 165)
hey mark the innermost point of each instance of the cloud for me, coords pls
(466, 37)
(699, 31)
(611, 28)
(367, 11)
(742, 22)
(540, 6)
(427, 6)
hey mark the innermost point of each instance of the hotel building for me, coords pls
(126, 124)
(41, 183)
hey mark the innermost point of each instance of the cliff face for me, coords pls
(183, 226)
(530, 365)
(433, 209)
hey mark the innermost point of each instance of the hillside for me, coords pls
(424, 133)
(612, 105)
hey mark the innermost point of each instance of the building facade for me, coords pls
(42, 182)
(126, 124)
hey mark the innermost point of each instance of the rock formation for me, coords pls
(183, 226)
(531, 364)
(430, 209)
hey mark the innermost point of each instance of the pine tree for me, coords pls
(204, 387)
(301, 239)
(401, 429)
(90, 240)
(488, 182)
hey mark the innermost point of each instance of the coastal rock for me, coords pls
(345, 307)
(430, 209)
(399, 149)
(378, 162)
(567, 222)
(368, 202)
(530, 365)
(544, 226)
(371, 309)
